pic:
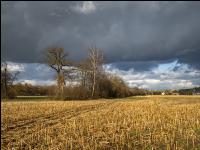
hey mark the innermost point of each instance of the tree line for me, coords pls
(85, 79)
(92, 81)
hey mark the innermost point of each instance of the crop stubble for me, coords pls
(153, 123)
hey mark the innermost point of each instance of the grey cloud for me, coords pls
(37, 71)
(32, 71)
(145, 32)
(175, 76)
(139, 65)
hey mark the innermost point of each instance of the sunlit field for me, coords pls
(151, 122)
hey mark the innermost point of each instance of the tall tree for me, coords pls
(56, 59)
(95, 57)
(7, 79)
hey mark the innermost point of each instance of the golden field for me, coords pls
(149, 122)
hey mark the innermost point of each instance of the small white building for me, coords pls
(163, 93)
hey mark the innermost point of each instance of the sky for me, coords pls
(152, 45)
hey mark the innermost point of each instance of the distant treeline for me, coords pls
(113, 87)
(78, 92)
(108, 89)
(191, 91)
(90, 78)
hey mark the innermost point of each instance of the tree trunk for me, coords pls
(61, 84)
(94, 83)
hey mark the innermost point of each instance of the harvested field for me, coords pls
(151, 122)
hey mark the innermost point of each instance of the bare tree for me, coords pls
(56, 59)
(7, 79)
(95, 61)
(85, 71)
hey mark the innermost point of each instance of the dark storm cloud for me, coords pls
(139, 65)
(146, 32)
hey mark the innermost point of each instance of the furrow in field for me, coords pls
(27, 122)
(20, 131)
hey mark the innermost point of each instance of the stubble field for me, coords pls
(151, 122)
